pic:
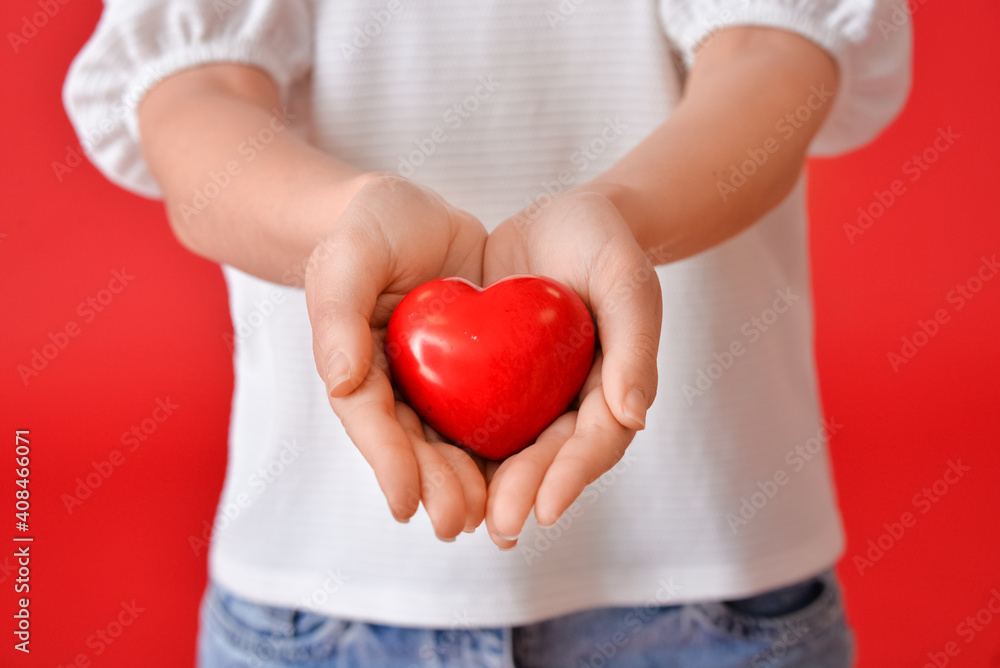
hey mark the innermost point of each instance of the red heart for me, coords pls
(490, 368)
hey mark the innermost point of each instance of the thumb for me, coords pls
(346, 274)
(628, 309)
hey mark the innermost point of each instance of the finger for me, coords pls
(369, 417)
(625, 298)
(516, 481)
(440, 488)
(597, 444)
(346, 274)
(472, 482)
(470, 469)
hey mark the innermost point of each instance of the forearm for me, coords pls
(240, 188)
(676, 189)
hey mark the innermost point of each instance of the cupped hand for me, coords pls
(581, 240)
(393, 236)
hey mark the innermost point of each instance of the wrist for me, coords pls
(315, 210)
(316, 192)
(631, 205)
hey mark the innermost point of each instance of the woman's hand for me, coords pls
(393, 236)
(581, 240)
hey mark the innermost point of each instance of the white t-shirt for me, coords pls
(726, 493)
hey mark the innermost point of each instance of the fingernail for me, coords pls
(338, 370)
(508, 549)
(635, 406)
(446, 540)
(510, 538)
(472, 530)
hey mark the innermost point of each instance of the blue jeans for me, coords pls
(802, 625)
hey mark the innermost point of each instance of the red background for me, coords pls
(163, 337)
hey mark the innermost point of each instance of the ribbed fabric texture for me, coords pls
(492, 103)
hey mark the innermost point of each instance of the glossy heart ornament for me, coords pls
(490, 368)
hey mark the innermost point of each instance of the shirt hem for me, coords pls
(426, 607)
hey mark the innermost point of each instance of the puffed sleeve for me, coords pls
(139, 42)
(870, 40)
